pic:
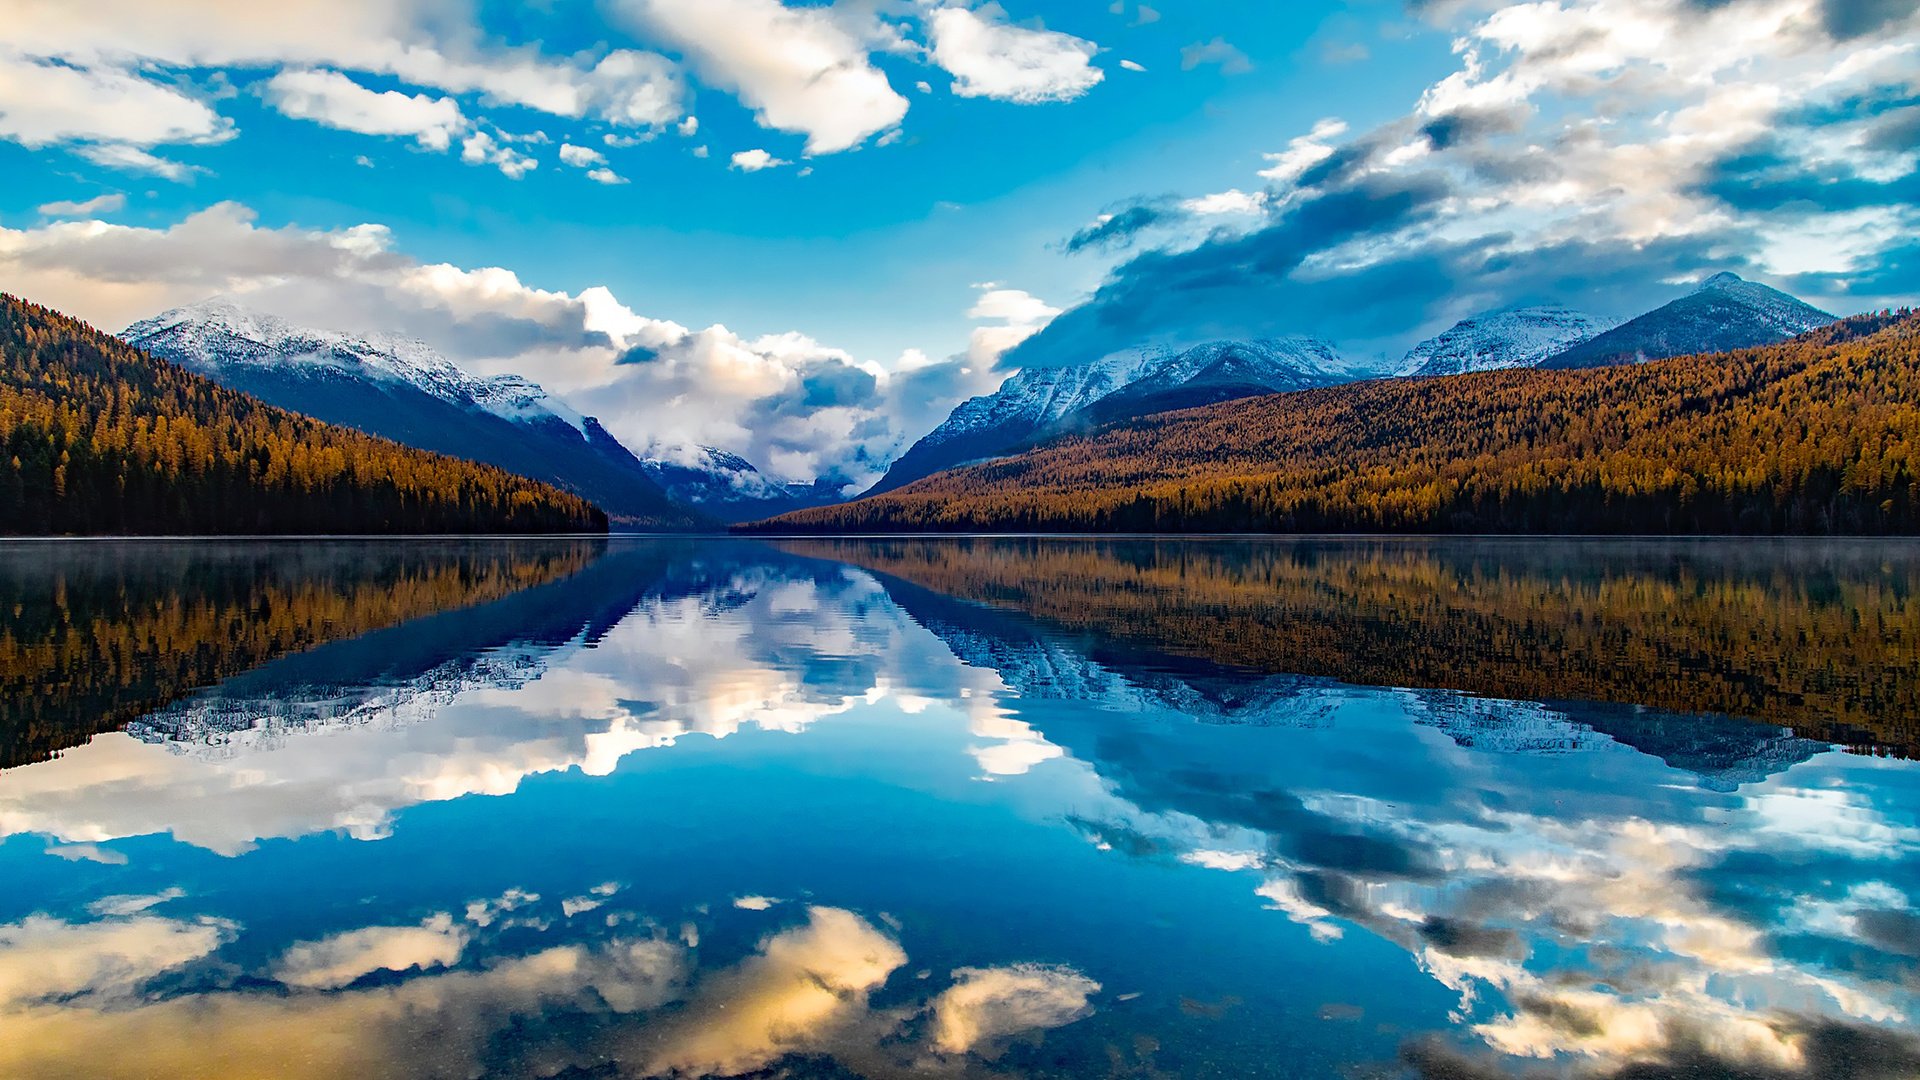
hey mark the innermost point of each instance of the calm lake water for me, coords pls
(625, 808)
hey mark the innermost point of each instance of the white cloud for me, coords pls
(1304, 152)
(801, 69)
(987, 1005)
(1219, 52)
(481, 148)
(1131, 65)
(134, 159)
(45, 959)
(336, 101)
(756, 160)
(113, 116)
(605, 176)
(411, 40)
(1014, 316)
(581, 157)
(689, 127)
(1231, 201)
(989, 58)
(99, 204)
(801, 985)
(336, 961)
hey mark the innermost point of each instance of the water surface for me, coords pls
(633, 808)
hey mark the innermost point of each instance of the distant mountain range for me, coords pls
(1505, 338)
(1814, 435)
(728, 488)
(401, 389)
(1042, 402)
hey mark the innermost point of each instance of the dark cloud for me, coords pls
(1849, 19)
(834, 383)
(1230, 286)
(1768, 179)
(1459, 937)
(1255, 285)
(1465, 126)
(1123, 223)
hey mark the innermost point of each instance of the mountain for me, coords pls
(1816, 435)
(99, 437)
(727, 487)
(402, 390)
(1726, 312)
(1504, 338)
(1040, 401)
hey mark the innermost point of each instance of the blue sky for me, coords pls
(434, 167)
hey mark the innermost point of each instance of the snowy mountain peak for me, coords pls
(222, 333)
(1503, 338)
(1721, 280)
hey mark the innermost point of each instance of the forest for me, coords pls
(97, 437)
(1819, 435)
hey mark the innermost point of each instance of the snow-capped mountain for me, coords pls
(1041, 401)
(403, 390)
(1503, 338)
(727, 487)
(1724, 312)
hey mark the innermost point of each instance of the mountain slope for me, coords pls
(404, 391)
(1726, 312)
(98, 437)
(1818, 435)
(1054, 399)
(1504, 338)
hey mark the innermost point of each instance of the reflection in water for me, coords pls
(1824, 636)
(99, 633)
(715, 808)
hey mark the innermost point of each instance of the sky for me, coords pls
(802, 232)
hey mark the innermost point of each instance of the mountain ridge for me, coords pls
(1042, 401)
(1722, 313)
(401, 389)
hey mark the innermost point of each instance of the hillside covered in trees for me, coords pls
(1819, 435)
(98, 437)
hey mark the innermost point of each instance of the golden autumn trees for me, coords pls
(1818, 435)
(98, 437)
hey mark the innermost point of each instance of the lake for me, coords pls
(959, 807)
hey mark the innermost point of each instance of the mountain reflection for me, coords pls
(1820, 636)
(96, 634)
(699, 808)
